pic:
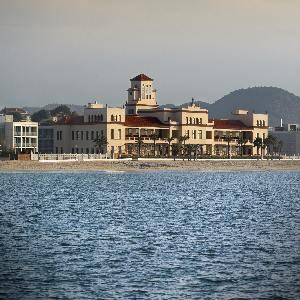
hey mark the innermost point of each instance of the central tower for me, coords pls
(141, 95)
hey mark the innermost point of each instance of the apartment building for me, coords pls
(131, 128)
(22, 136)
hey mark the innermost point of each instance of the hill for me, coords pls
(278, 103)
(73, 107)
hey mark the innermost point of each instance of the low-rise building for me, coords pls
(22, 136)
(289, 135)
(141, 123)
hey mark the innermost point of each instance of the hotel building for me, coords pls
(141, 117)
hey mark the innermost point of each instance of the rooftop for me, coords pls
(229, 124)
(141, 77)
(137, 121)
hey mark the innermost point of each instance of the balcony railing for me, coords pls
(28, 145)
(30, 133)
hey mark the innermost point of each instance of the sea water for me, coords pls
(155, 235)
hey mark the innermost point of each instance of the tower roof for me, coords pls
(141, 77)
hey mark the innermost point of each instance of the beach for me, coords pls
(144, 165)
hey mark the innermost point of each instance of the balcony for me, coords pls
(29, 133)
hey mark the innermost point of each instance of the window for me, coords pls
(87, 150)
(120, 119)
(199, 134)
(72, 135)
(60, 135)
(72, 150)
(264, 123)
(111, 118)
(197, 120)
(61, 150)
(92, 135)
(112, 134)
(190, 120)
(77, 135)
(200, 120)
(86, 135)
(194, 134)
(57, 135)
(187, 120)
(119, 134)
(208, 135)
(56, 150)
(89, 119)
(101, 132)
(101, 117)
(257, 123)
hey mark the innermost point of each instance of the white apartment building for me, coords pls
(22, 136)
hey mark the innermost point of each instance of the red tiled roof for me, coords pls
(137, 121)
(141, 77)
(229, 124)
(71, 120)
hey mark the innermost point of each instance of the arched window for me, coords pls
(112, 118)
(260, 123)
(264, 123)
(197, 121)
(120, 119)
(257, 123)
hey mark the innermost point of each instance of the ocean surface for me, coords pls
(155, 235)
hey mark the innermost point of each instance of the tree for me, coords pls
(154, 137)
(270, 142)
(241, 142)
(139, 142)
(228, 139)
(182, 140)
(40, 115)
(61, 110)
(175, 149)
(258, 144)
(100, 142)
(169, 140)
(17, 117)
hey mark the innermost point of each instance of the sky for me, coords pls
(78, 51)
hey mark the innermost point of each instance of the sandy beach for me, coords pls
(125, 165)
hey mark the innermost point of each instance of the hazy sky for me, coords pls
(75, 51)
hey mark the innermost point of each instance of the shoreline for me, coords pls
(153, 165)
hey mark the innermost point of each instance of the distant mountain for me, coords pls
(278, 103)
(73, 107)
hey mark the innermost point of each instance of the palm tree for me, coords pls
(241, 142)
(169, 140)
(270, 143)
(100, 142)
(175, 149)
(181, 140)
(154, 137)
(258, 144)
(228, 139)
(139, 142)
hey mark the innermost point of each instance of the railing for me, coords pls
(30, 133)
(68, 156)
(27, 145)
(133, 138)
